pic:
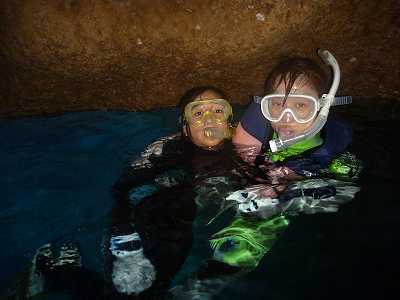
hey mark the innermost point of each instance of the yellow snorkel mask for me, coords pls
(211, 114)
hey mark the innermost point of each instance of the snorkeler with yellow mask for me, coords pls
(206, 119)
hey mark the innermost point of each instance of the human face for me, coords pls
(288, 126)
(207, 134)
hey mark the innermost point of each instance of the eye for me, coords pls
(302, 105)
(197, 113)
(277, 103)
(219, 110)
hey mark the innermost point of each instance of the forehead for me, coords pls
(208, 95)
(206, 106)
(301, 86)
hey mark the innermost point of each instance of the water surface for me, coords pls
(58, 171)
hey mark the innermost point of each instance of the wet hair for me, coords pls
(290, 69)
(193, 93)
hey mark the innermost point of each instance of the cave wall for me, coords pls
(70, 55)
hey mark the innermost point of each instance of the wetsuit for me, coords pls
(161, 200)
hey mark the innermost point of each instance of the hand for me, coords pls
(266, 190)
(282, 173)
(248, 153)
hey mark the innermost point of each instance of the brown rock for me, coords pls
(68, 55)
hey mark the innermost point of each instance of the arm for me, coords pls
(246, 146)
(251, 132)
(130, 270)
(253, 128)
(127, 266)
(242, 137)
(143, 175)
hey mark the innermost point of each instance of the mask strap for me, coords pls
(342, 100)
(187, 127)
(257, 99)
(339, 100)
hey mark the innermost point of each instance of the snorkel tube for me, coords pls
(326, 101)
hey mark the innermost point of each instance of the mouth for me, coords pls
(208, 132)
(285, 131)
(212, 133)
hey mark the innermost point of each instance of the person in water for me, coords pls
(158, 195)
(296, 154)
(290, 125)
(155, 203)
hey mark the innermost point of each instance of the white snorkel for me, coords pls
(326, 101)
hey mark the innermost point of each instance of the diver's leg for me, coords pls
(65, 274)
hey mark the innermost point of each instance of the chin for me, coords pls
(212, 143)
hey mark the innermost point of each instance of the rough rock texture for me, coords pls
(67, 55)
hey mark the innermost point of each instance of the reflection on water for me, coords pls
(57, 173)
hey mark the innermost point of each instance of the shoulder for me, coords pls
(243, 137)
(254, 123)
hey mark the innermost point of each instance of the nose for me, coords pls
(208, 118)
(287, 117)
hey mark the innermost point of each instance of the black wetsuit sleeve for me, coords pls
(306, 167)
(135, 177)
(164, 222)
(130, 178)
(146, 219)
(122, 211)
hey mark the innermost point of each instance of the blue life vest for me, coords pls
(337, 136)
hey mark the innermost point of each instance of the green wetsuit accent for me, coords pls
(295, 149)
(246, 240)
(346, 166)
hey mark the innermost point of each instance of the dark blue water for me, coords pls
(55, 186)
(56, 178)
